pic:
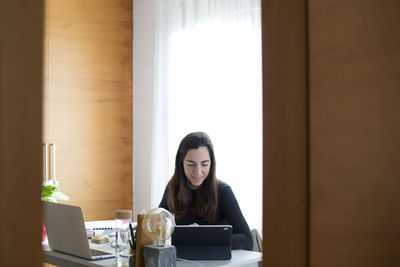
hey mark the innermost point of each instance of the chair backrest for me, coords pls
(257, 240)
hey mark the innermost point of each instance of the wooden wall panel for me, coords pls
(355, 132)
(285, 182)
(21, 68)
(89, 102)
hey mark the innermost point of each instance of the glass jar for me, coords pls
(122, 250)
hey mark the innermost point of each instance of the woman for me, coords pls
(195, 196)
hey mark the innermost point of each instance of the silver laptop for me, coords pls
(66, 231)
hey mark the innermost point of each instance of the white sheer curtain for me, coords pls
(207, 77)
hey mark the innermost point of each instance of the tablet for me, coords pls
(203, 242)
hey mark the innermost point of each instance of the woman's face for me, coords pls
(196, 165)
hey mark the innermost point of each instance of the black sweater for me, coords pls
(228, 212)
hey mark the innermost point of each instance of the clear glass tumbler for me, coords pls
(122, 250)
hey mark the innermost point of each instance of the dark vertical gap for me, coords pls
(308, 133)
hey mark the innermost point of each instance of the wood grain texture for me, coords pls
(21, 82)
(89, 102)
(285, 162)
(355, 132)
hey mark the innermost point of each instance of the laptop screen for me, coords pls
(66, 230)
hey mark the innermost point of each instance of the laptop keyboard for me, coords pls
(98, 252)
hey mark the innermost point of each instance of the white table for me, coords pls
(239, 258)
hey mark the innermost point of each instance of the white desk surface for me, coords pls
(239, 258)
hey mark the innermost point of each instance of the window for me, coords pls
(207, 77)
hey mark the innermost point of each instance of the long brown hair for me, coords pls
(179, 191)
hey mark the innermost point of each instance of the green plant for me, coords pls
(51, 191)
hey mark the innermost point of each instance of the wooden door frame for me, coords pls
(21, 79)
(285, 133)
